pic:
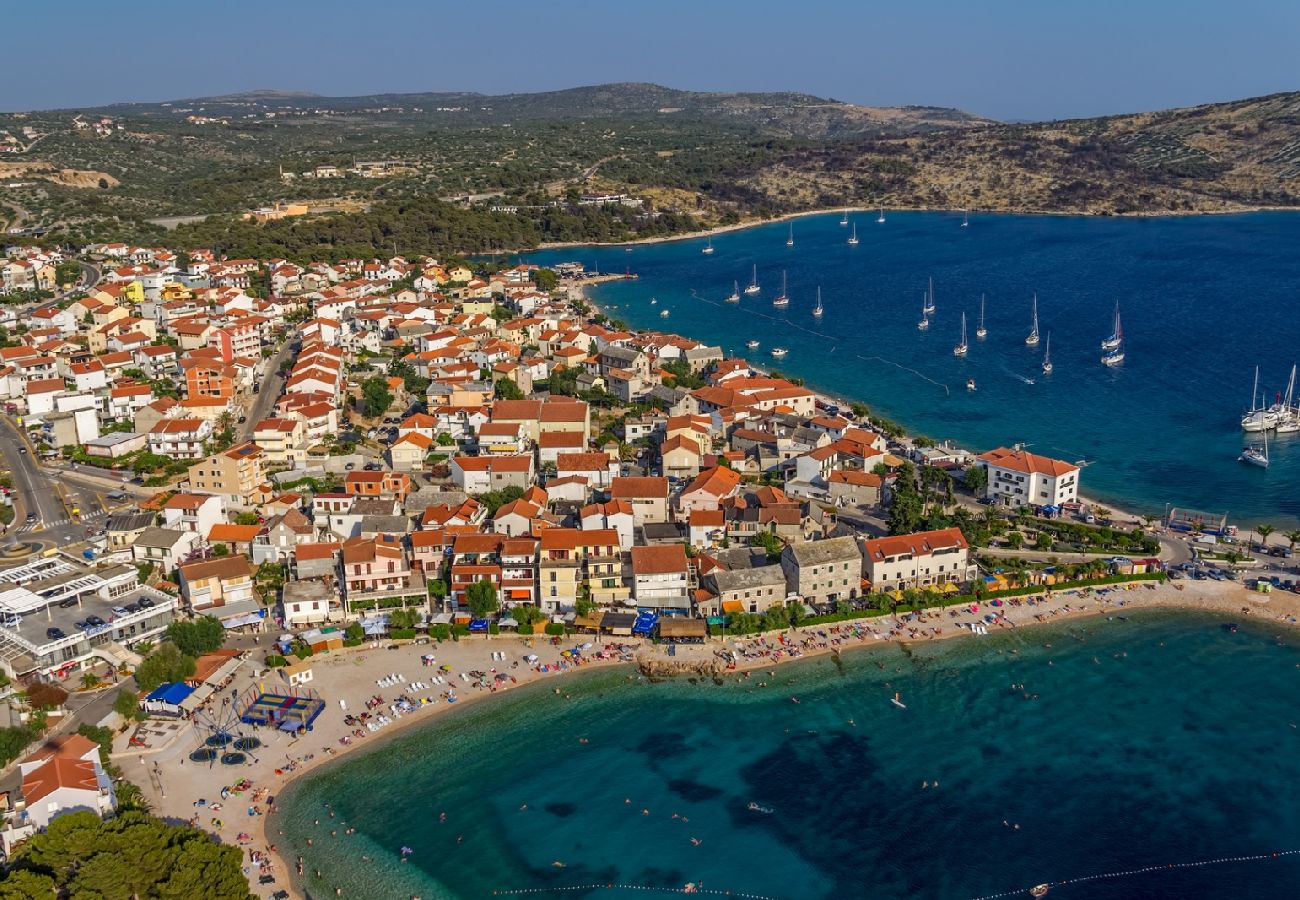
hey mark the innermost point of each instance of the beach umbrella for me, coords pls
(445, 668)
(532, 657)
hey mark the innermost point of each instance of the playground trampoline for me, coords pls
(297, 707)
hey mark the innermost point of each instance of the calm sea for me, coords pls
(1204, 300)
(1132, 744)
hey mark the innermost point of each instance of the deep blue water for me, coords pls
(1160, 740)
(1204, 300)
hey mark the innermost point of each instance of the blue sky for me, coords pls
(1031, 59)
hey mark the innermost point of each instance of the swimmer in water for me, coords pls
(696, 841)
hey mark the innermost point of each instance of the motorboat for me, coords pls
(752, 345)
(970, 384)
(779, 352)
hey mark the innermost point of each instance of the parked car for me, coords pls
(96, 621)
(145, 603)
(67, 602)
(82, 626)
(119, 610)
(55, 634)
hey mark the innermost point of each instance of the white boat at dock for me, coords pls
(1256, 456)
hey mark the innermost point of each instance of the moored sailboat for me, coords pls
(1256, 456)
(962, 346)
(708, 247)
(817, 310)
(929, 299)
(1112, 342)
(1115, 356)
(1288, 421)
(789, 242)
(853, 238)
(782, 299)
(1047, 356)
(734, 296)
(1032, 339)
(752, 287)
(981, 331)
(881, 220)
(845, 219)
(925, 314)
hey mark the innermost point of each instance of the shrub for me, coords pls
(494, 628)
(555, 629)
(440, 632)
(302, 652)
(460, 630)
(525, 629)
(402, 634)
(275, 661)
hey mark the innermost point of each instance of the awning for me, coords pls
(732, 606)
(227, 669)
(508, 623)
(441, 619)
(241, 621)
(201, 693)
(291, 725)
(949, 588)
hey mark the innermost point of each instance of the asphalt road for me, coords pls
(269, 389)
(51, 498)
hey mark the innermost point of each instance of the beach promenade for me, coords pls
(174, 785)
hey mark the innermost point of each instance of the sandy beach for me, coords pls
(351, 676)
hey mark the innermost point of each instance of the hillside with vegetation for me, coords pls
(476, 173)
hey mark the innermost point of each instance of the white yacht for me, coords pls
(845, 219)
(1047, 356)
(752, 345)
(1259, 418)
(1032, 339)
(734, 296)
(925, 314)
(881, 220)
(853, 238)
(779, 352)
(1288, 416)
(1256, 456)
(708, 247)
(981, 331)
(817, 310)
(929, 299)
(965, 218)
(789, 242)
(663, 314)
(962, 346)
(752, 287)
(1112, 342)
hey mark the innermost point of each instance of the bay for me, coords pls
(1132, 744)
(1204, 300)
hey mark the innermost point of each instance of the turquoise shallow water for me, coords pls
(1204, 300)
(1158, 740)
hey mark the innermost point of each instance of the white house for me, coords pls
(1019, 478)
(918, 560)
(65, 775)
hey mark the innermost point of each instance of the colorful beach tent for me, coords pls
(478, 626)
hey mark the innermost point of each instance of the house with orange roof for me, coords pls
(708, 489)
(65, 775)
(237, 538)
(570, 559)
(409, 452)
(1019, 478)
(919, 560)
(480, 474)
(234, 474)
(648, 496)
(662, 579)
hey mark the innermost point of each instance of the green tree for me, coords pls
(354, 632)
(481, 598)
(545, 279)
(127, 705)
(202, 635)
(376, 396)
(445, 440)
(166, 664)
(976, 478)
(859, 410)
(1293, 537)
(437, 588)
(584, 605)
(770, 543)
(1015, 540)
(508, 390)
(563, 382)
(246, 518)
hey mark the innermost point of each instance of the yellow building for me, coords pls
(233, 474)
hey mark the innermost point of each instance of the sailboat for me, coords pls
(1259, 418)
(782, 299)
(853, 238)
(1115, 356)
(1032, 340)
(817, 310)
(752, 287)
(962, 346)
(965, 218)
(981, 331)
(845, 220)
(789, 242)
(928, 309)
(734, 296)
(881, 220)
(1288, 421)
(925, 315)
(1112, 342)
(1047, 357)
(1256, 456)
(708, 247)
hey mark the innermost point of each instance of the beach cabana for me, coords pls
(618, 624)
(681, 630)
(590, 623)
(508, 622)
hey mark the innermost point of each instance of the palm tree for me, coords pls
(89, 680)
(1293, 537)
(1263, 531)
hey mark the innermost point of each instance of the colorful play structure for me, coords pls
(291, 709)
